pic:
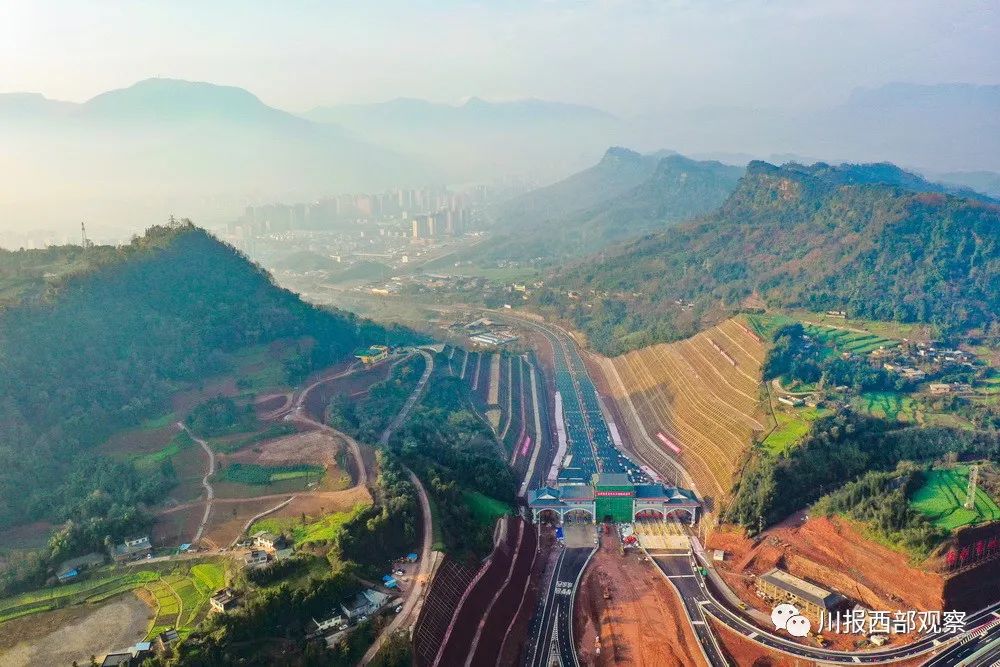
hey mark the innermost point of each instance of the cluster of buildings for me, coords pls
(485, 332)
(132, 549)
(135, 655)
(921, 361)
(443, 222)
(345, 208)
(396, 205)
(266, 547)
(351, 612)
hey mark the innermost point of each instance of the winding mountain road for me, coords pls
(407, 616)
(209, 491)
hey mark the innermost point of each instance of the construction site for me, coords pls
(625, 612)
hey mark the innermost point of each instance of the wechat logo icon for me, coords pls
(787, 617)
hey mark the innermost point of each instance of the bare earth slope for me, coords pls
(701, 395)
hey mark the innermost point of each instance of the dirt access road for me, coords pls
(407, 617)
(209, 491)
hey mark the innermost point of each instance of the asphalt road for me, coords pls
(683, 572)
(555, 611)
(974, 651)
(584, 420)
(677, 568)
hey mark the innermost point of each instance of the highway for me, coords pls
(685, 574)
(591, 449)
(552, 626)
(676, 568)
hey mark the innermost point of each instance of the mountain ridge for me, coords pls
(623, 196)
(818, 238)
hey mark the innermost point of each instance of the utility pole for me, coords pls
(970, 501)
(85, 243)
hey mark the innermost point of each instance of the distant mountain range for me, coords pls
(163, 143)
(930, 128)
(874, 240)
(624, 196)
(168, 146)
(987, 182)
(480, 140)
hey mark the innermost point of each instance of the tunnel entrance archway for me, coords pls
(578, 516)
(548, 516)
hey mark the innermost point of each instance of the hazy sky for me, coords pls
(626, 56)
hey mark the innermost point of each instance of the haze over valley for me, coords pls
(522, 334)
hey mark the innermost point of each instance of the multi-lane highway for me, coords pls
(552, 628)
(591, 450)
(698, 592)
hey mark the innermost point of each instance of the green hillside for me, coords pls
(942, 499)
(871, 240)
(103, 347)
(598, 211)
(619, 171)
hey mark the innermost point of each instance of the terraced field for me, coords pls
(698, 400)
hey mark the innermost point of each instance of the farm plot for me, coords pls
(310, 530)
(701, 394)
(251, 473)
(942, 499)
(791, 426)
(95, 589)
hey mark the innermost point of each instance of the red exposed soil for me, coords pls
(186, 401)
(310, 447)
(641, 624)
(138, 441)
(354, 385)
(833, 553)
(512, 650)
(742, 651)
(480, 595)
(177, 527)
(226, 521)
(496, 624)
(266, 405)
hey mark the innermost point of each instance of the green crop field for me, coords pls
(211, 576)
(177, 443)
(792, 425)
(942, 498)
(90, 591)
(321, 529)
(157, 423)
(888, 404)
(180, 593)
(251, 473)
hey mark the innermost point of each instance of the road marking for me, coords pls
(697, 622)
(997, 614)
(855, 658)
(752, 635)
(680, 576)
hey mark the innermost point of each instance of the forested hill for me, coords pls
(102, 345)
(624, 196)
(873, 240)
(619, 171)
